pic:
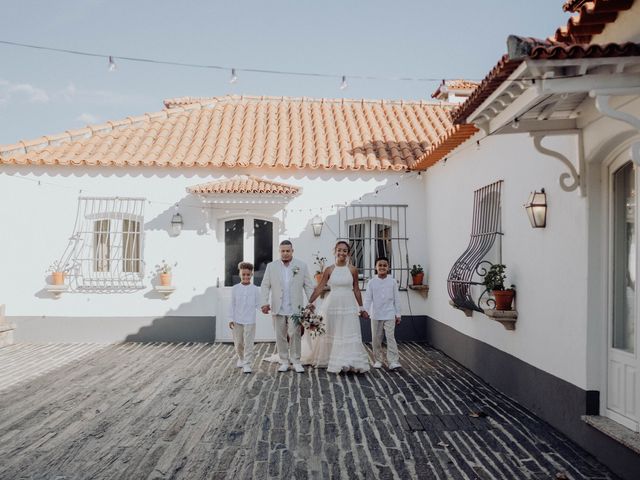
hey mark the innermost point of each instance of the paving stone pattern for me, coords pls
(162, 411)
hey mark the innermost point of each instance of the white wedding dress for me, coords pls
(340, 348)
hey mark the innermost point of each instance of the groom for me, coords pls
(286, 280)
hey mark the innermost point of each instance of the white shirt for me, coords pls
(287, 276)
(245, 301)
(382, 300)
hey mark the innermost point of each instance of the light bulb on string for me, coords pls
(477, 144)
(343, 83)
(234, 77)
(516, 123)
(112, 64)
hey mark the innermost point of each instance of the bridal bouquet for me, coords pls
(310, 321)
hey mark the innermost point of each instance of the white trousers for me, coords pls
(386, 328)
(288, 351)
(243, 336)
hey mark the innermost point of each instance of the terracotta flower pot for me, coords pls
(57, 278)
(165, 279)
(417, 278)
(503, 299)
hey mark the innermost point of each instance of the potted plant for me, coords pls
(320, 263)
(164, 272)
(417, 274)
(57, 270)
(494, 282)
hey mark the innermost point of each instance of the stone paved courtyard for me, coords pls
(184, 411)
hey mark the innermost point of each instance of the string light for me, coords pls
(112, 64)
(343, 83)
(234, 77)
(516, 123)
(111, 58)
(477, 144)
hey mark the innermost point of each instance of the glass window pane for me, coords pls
(131, 246)
(101, 246)
(383, 241)
(624, 258)
(233, 250)
(262, 248)
(356, 240)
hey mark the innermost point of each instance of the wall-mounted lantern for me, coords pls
(316, 225)
(176, 224)
(536, 209)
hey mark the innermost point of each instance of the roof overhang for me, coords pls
(549, 94)
(245, 190)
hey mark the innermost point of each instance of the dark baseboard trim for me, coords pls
(411, 329)
(114, 329)
(556, 401)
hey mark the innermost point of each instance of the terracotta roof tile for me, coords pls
(236, 131)
(457, 135)
(591, 19)
(243, 184)
(522, 48)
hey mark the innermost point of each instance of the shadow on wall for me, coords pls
(190, 208)
(179, 324)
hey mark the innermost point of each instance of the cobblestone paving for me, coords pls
(184, 411)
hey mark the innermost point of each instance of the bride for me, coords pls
(340, 349)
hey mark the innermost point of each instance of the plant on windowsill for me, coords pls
(417, 274)
(57, 270)
(164, 273)
(320, 263)
(494, 282)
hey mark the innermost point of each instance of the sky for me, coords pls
(44, 93)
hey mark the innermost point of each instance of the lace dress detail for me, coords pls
(340, 348)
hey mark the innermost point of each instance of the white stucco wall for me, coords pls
(547, 265)
(560, 271)
(38, 220)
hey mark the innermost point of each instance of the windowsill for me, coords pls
(615, 431)
(507, 318)
(421, 289)
(165, 291)
(467, 311)
(56, 290)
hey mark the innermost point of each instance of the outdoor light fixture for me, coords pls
(316, 224)
(536, 209)
(176, 224)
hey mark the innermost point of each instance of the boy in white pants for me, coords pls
(382, 302)
(245, 301)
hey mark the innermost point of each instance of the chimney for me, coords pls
(454, 91)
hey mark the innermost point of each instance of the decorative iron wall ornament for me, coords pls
(105, 252)
(470, 268)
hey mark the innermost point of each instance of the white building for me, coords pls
(422, 182)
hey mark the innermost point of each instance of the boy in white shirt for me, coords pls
(382, 302)
(245, 301)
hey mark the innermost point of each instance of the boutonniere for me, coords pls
(295, 270)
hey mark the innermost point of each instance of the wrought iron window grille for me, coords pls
(105, 251)
(373, 231)
(465, 280)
